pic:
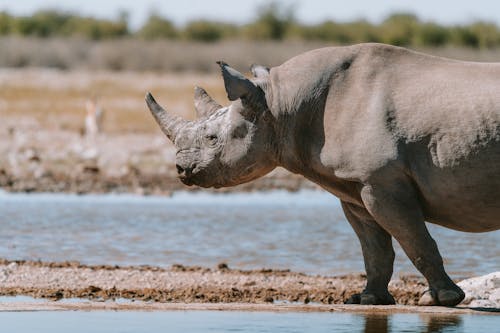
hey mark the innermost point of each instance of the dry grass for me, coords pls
(169, 55)
(141, 55)
(56, 99)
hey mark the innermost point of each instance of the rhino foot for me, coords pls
(371, 299)
(444, 297)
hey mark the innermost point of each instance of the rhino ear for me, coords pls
(259, 71)
(237, 85)
(203, 103)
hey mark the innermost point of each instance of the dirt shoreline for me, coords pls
(180, 284)
(150, 288)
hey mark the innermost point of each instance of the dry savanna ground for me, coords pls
(43, 146)
(55, 99)
(42, 110)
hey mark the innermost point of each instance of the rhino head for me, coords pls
(225, 146)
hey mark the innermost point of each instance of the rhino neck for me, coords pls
(300, 94)
(298, 111)
(300, 89)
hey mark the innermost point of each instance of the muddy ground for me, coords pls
(180, 284)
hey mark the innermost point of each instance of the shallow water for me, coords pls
(217, 321)
(304, 231)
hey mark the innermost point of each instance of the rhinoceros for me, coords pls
(400, 137)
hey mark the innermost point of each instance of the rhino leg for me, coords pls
(395, 207)
(378, 254)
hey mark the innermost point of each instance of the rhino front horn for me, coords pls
(169, 124)
(203, 103)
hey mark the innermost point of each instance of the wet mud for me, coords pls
(181, 284)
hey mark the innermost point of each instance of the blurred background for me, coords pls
(73, 74)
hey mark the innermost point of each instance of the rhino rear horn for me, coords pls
(259, 71)
(170, 124)
(203, 103)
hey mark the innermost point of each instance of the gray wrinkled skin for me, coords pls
(398, 136)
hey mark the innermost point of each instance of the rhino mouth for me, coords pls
(199, 179)
(186, 181)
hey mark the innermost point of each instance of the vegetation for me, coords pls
(157, 28)
(272, 22)
(50, 23)
(207, 31)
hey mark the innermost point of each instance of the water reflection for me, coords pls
(237, 321)
(436, 324)
(376, 323)
(381, 323)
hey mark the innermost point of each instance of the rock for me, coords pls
(222, 266)
(482, 291)
(12, 265)
(4, 275)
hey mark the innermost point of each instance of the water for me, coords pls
(303, 231)
(217, 321)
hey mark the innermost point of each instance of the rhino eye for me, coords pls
(211, 138)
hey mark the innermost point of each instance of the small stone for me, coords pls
(12, 265)
(222, 266)
(269, 299)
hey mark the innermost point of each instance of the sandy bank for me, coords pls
(186, 284)
(194, 288)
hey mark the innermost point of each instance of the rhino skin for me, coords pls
(399, 137)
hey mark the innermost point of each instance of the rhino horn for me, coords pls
(169, 124)
(237, 85)
(259, 71)
(203, 103)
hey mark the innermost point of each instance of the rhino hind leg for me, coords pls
(378, 254)
(396, 208)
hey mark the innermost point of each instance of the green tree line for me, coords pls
(272, 22)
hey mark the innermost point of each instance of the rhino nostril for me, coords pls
(180, 170)
(185, 171)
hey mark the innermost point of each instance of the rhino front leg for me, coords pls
(378, 254)
(395, 206)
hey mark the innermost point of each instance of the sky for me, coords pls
(307, 11)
